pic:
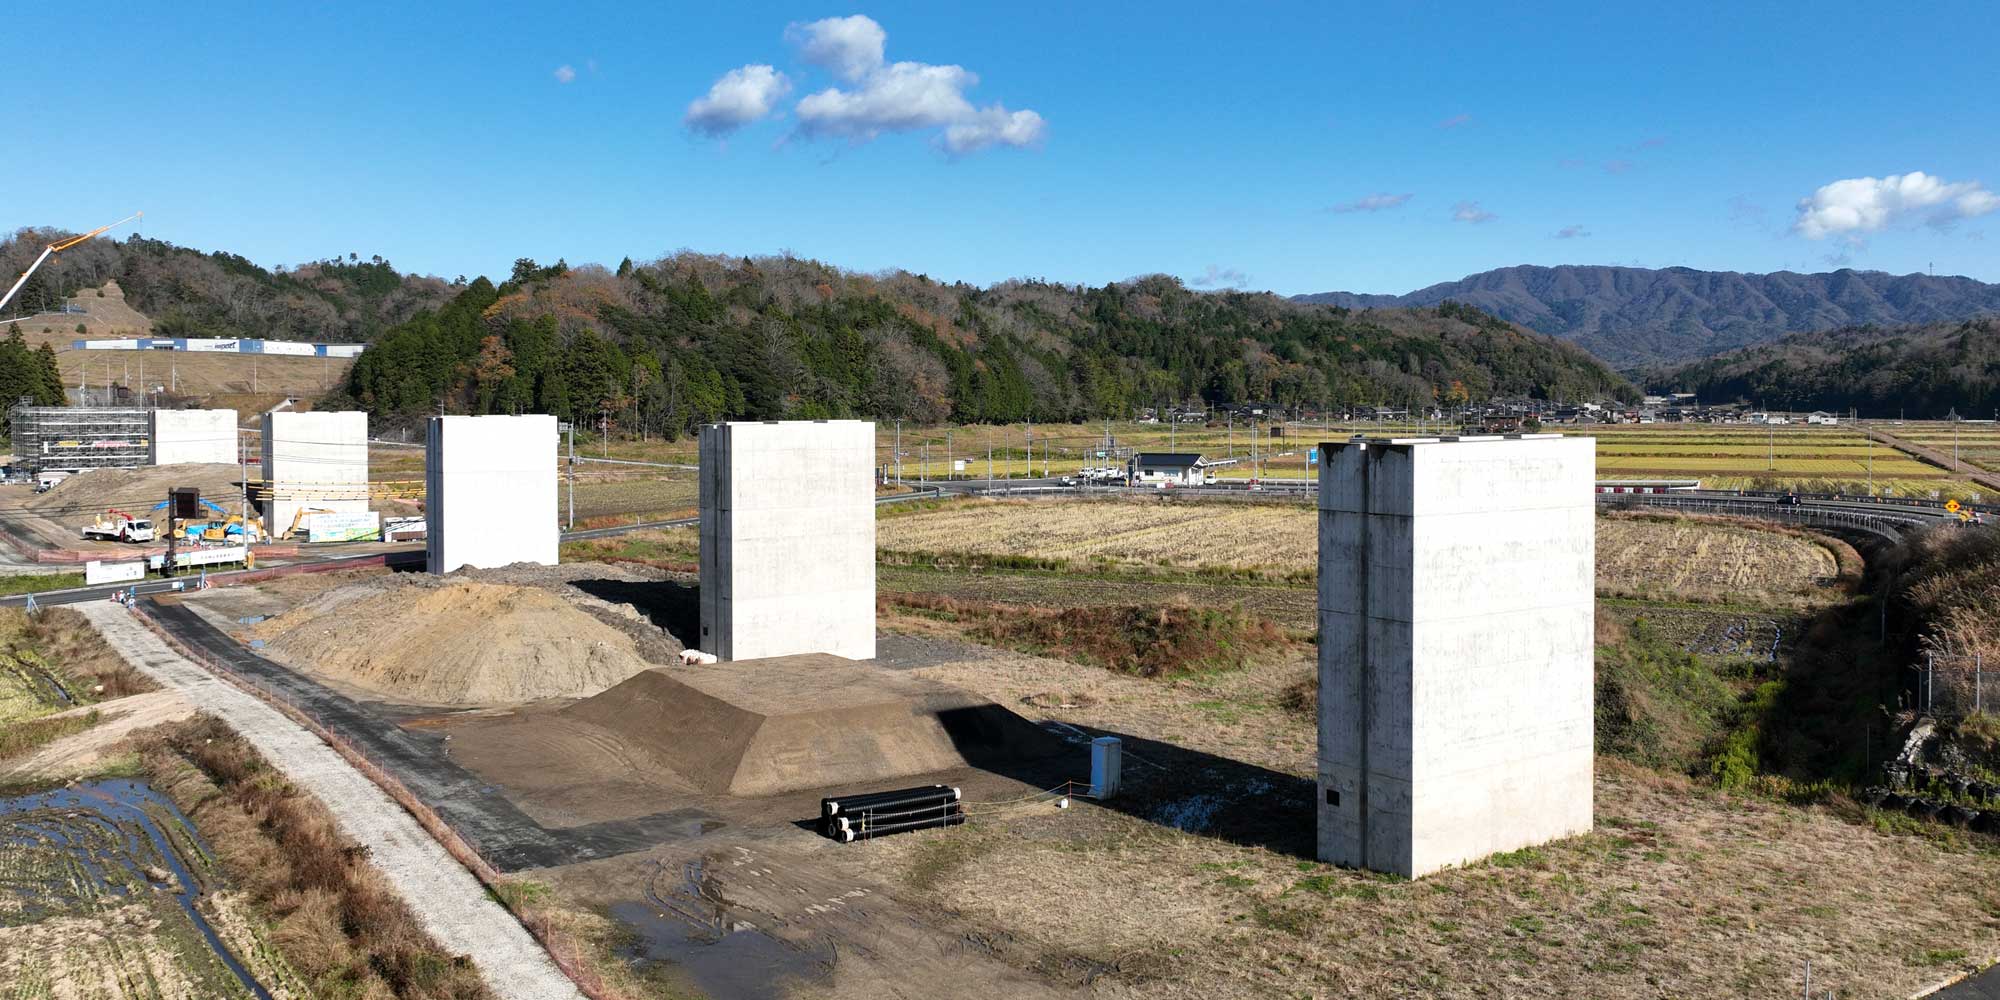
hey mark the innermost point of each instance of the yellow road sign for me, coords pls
(1963, 516)
(1951, 505)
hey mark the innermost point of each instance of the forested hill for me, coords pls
(1924, 371)
(188, 293)
(1631, 316)
(692, 338)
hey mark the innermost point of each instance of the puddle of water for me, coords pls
(110, 829)
(682, 920)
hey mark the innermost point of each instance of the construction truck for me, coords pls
(117, 526)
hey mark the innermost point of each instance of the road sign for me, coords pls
(1963, 516)
(1951, 505)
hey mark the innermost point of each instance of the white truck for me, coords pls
(118, 526)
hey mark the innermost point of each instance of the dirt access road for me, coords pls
(453, 906)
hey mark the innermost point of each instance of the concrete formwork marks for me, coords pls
(305, 454)
(1456, 625)
(183, 437)
(788, 539)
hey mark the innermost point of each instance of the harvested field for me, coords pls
(1714, 560)
(492, 638)
(112, 893)
(1238, 539)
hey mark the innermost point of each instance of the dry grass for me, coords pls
(1269, 540)
(1682, 891)
(335, 917)
(1664, 557)
(1157, 640)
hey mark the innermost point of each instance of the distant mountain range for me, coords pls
(1634, 317)
(1921, 371)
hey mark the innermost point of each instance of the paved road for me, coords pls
(1983, 986)
(451, 903)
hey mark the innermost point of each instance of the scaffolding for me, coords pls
(78, 437)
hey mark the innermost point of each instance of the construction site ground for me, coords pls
(610, 828)
(1199, 880)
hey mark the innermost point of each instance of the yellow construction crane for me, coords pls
(55, 248)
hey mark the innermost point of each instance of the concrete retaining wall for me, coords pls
(1455, 659)
(788, 539)
(186, 436)
(490, 485)
(308, 458)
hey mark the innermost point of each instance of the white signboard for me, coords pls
(288, 347)
(365, 526)
(186, 558)
(958, 465)
(97, 571)
(222, 346)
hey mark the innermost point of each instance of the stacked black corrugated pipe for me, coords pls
(848, 818)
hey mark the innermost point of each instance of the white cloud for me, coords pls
(742, 96)
(901, 96)
(1456, 121)
(895, 98)
(994, 125)
(1618, 166)
(1372, 203)
(1220, 277)
(1469, 211)
(847, 47)
(565, 73)
(1572, 233)
(1859, 205)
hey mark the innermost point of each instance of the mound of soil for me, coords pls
(457, 641)
(136, 490)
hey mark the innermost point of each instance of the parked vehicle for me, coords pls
(117, 526)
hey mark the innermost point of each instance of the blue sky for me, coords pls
(1211, 142)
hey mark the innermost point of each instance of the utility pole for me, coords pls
(948, 468)
(924, 464)
(569, 428)
(899, 452)
(989, 466)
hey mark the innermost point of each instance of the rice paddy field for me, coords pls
(1843, 458)
(1975, 442)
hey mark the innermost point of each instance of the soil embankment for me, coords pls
(502, 638)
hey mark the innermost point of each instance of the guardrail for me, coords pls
(1886, 524)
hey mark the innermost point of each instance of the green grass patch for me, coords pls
(33, 734)
(36, 583)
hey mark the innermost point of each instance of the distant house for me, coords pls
(1822, 417)
(1161, 468)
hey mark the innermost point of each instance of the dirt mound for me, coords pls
(760, 727)
(457, 641)
(137, 490)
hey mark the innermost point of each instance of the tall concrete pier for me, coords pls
(1455, 660)
(788, 539)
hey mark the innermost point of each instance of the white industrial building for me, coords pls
(490, 491)
(314, 461)
(182, 437)
(1455, 656)
(788, 539)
